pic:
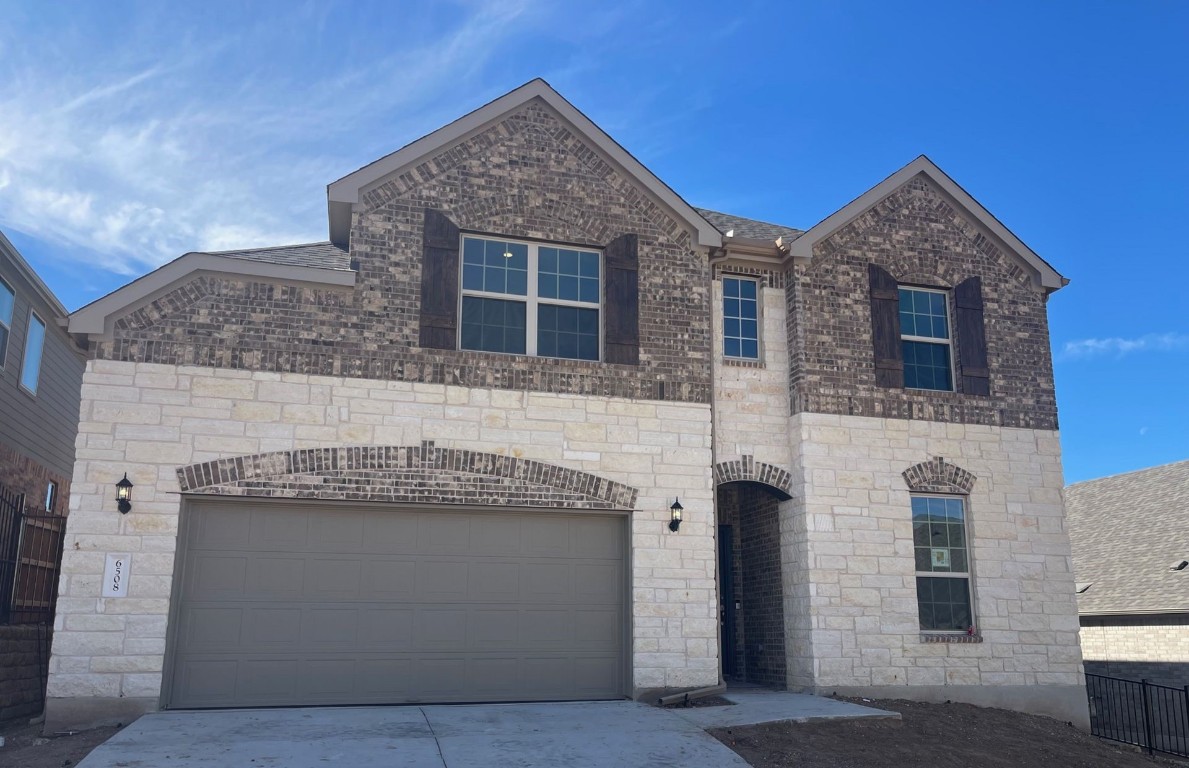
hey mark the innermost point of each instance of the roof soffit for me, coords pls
(1044, 275)
(343, 194)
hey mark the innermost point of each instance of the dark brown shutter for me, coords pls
(972, 337)
(622, 305)
(439, 282)
(885, 328)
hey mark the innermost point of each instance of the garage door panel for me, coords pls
(370, 605)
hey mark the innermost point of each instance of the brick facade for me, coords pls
(921, 238)
(529, 176)
(24, 475)
(1154, 647)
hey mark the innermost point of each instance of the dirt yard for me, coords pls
(930, 734)
(25, 747)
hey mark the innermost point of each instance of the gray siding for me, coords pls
(41, 427)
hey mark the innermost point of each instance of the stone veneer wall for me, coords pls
(851, 596)
(920, 238)
(527, 176)
(751, 404)
(1137, 647)
(149, 419)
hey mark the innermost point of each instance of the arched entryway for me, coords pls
(751, 578)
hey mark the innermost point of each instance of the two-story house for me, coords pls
(531, 427)
(41, 371)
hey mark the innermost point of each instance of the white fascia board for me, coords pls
(802, 248)
(31, 275)
(345, 192)
(92, 319)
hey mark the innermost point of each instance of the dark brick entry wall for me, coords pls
(752, 512)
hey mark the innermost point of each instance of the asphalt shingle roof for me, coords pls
(324, 255)
(1126, 531)
(759, 230)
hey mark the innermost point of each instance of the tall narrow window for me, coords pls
(740, 318)
(34, 344)
(925, 339)
(7, 299)
(525, 298)
(51, 496)
(942, 563)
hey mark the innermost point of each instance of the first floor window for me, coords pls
(740, 318)
(530, 298)
(34, 344)
(925, 339)
(7, 299)
(942, 563)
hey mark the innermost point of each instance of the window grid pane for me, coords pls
(569, 332)
(567, 274)
(493, 325)
(741, 332)
(927, 365)
(923, 313)
(494, 266)
(939, 540)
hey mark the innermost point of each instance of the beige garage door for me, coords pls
(300, 603)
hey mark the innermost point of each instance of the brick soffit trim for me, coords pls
(746, 469)
(389, 467)
(938, 476)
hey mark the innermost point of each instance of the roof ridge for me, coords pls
(268, 248)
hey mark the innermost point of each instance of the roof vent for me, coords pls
(1179, 565)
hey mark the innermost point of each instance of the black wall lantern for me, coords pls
(675, 512)
(124, 495)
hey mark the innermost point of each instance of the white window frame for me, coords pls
(759, 318)
(531, 298)
(51, 495)
(7, 325)
(968, 574)
(948, 341)
(25, 353)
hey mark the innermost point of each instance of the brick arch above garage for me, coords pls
(421, 473)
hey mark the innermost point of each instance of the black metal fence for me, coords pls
(1155, 717)
(30, 559)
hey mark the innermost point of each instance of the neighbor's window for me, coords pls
(942, 563)
(34, 342)
(530, 298)
(925, 336)
(740, 318)
(7, 299)
(51, 496)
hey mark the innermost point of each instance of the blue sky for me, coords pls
(132, 133)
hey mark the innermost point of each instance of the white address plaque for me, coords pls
(115, 575)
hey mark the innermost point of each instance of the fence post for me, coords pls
(1147, 715)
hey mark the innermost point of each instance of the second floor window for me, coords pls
(925, 336)
(530, 298)
(7, 299)
(34, 345)
(740, 318)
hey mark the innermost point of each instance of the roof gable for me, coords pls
(1043, 273)
(343, 194)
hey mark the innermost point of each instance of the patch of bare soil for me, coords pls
(25, 747)
(930, 735)
(706, 701)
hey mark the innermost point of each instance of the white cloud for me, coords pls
(1117, 347)
(131, 153)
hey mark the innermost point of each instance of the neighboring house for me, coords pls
(41, 371)
(437, 458)
(1130, 536)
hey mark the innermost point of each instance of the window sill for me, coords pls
(739, 362)
(950, 637)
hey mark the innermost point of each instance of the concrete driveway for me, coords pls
(576, 735)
